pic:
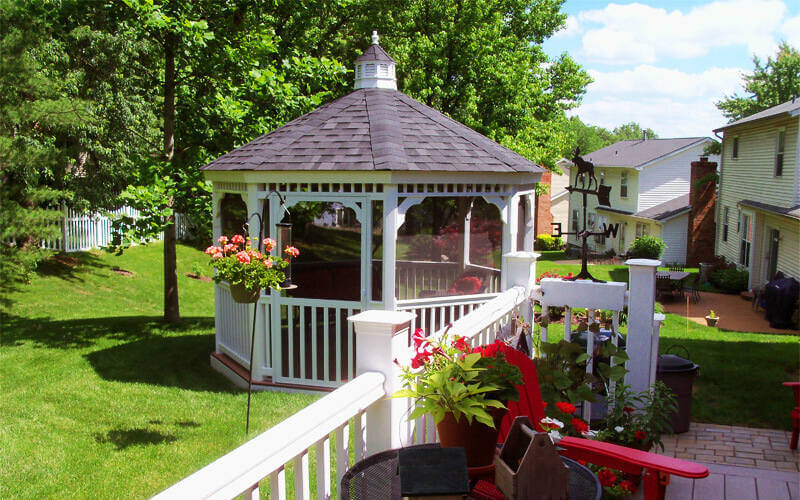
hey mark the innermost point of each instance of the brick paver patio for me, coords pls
(728, 445)
(744, 464)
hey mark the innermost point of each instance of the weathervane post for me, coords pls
(586, 173)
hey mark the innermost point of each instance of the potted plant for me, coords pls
(246, 269)
(464, 389)
(638, 420)
(712, 318)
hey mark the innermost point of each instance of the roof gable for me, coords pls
(790, 108)
(374, 129)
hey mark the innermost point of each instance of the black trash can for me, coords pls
(678, 374)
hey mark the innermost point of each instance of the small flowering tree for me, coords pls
(238, 263)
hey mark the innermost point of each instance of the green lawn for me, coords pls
(100, 398)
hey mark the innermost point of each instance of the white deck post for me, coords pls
(382, 337)
(390, 226)
(521, 271)
(641, 306)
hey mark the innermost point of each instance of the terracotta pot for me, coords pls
(243, 295)
(478, 440)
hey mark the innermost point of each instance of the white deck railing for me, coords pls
(434, 313)
(241, 471)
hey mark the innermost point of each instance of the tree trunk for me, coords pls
(171, 305)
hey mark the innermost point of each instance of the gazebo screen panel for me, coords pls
(435, 259)
(233, 214)
(328, 235)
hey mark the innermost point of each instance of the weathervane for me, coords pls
(585, 171)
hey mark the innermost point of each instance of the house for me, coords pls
(559, 196)
(758, 212)
(650, 184)
(393, 205)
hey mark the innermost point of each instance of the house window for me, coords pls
(600, 239)
(779, 152)
(591, 221)
(735, 153)
(623, 185)
(725, 211)
(575, 219)
(746, 235)
(642, 229)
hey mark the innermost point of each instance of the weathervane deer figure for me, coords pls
(585, 169)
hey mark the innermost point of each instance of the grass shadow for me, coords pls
(553, 255)
(175, 361)
(69, 266)
(79, 333)
(619, 274)
(123, 438)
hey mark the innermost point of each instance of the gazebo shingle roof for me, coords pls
(374, 129)
(375, 53)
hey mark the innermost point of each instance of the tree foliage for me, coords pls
(770, 84)
(590, 138)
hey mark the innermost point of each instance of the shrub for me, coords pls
(548, 242)
(729, 280)
(647, 247)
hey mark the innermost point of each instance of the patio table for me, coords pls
(675, 277)
(377, 478)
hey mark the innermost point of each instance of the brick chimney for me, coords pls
(703, 198)
(544, 218)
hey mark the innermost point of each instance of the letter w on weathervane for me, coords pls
(610, 230)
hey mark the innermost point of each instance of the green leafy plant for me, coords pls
(638, 419)
(563, 376)
(548, 242)
(448, 376)
(729, 279)
(236, 262)
(647, 247)
(712, 314)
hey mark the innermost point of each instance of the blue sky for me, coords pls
(664, 63)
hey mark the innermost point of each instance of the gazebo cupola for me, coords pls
(375, 69)
(393, 206)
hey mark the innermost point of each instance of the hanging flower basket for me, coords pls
(248, 269)
(243, 295)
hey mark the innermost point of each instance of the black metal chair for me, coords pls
(664, 288)
(691, 289)
(675, 267)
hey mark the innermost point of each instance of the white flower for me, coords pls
(550, 423)
(589, 434)
(619, 428)
(555, 436)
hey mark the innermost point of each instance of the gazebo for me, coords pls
(393, 206)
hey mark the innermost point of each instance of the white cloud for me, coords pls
(671, 102)
(571, 28)
(653, 81)
(791, 31)
(636, 33)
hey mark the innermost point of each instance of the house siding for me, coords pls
(668, 178)
(673, 232)
(611, 177)
(788, 247)
(751, 176)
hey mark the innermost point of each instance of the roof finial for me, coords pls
(374, 37)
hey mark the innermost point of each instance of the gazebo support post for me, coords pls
(391, 222)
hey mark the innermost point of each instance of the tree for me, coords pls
(590, 138)
(67, 132)
(770, 84)
(221, 83)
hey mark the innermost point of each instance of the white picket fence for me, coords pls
(81, 231)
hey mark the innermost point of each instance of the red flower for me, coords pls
(606, 477)
(628, 410)
(639, 435)
(579, 425)
(243, 257)
(291, 251)
(627, 486)
(237, 239)
(565, 407)
(544, 405)
(461, 344)
(269, 244)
